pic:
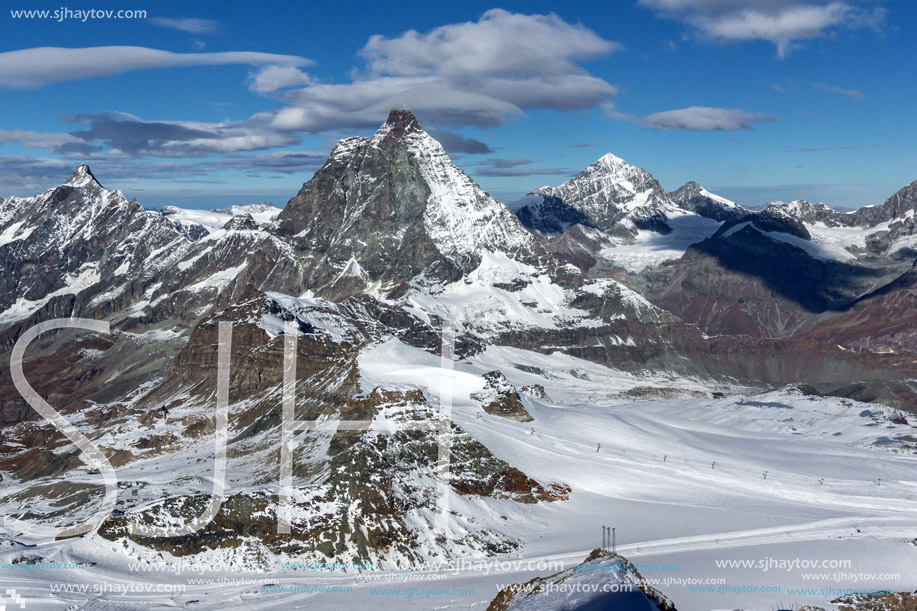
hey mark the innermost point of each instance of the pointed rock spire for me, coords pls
(400, 121)
(82, 177)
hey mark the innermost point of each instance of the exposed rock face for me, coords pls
(882, 321)
(501, 398)
(579, 246)
(549, 215)
(898, 601)
(393, 207)
(72, 237)
(693, 197)
(652, 392)
(610, 194)
(684, 350)
(699, 289)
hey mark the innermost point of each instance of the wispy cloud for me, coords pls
(850, 93)
(778, 88)
(515, 167)
(27, 175)
(21, 173)
(31, 68)
(782, 22)
(814, 149)
(191, 25)
(704, 118)
(38, 140)
(122, 133)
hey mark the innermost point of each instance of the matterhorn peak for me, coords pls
(400, 122)
(82, 177)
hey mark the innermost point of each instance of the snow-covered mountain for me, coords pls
(610, 194)
(791, 267)
(197, 223)
(613, 215)
(693, 197)
(71, 238)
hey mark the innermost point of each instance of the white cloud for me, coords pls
(781, 22)
(500, 43)
(366, 104)
(30, 68)
(272, 78)
(475, 73)
(704, 118)
(191, 25)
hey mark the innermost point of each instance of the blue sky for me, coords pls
(211, 103)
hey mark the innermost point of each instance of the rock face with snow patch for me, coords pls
(387, 209)
(693, 197)
(70, 238)
(793, 267)
(602, 581)
(611, 195)
(500, 398)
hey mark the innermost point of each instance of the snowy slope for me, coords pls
(196, 223)
(682, 481)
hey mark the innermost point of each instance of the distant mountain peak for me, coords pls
(82, 177)
(611, 159)
(692, 196)
(609, 192)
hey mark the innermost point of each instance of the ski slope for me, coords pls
(687, 483)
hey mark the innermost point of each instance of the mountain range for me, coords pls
(687, 293)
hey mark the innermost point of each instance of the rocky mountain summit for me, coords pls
(693, 197)
(394, 208)
(610, 194)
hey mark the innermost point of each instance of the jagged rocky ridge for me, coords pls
(784, 271)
